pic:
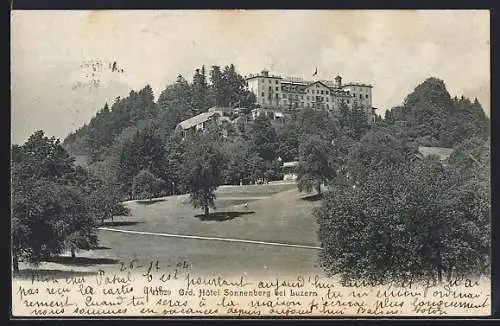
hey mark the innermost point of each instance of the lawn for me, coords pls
(274, 213)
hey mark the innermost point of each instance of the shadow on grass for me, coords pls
(81, 261)
(149, 202)
(222, 216)
(314, 197)
(120, 223)
(101, 248)
(33, 273)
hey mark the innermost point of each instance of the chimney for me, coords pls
(338, 81)
(265, 73)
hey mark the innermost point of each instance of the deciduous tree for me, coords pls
(203, 173)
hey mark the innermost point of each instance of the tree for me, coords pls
(358, 122)
(146, 185)
(243, 164)
(377, 149)
(106, 203)
(315, 163)
(199, 100)
(42, 158)
(95, 139)
(228, 88)
(470, 156)
(264, 139)
(432, 118)
(217, 87)
(203, 173)
(175, 99)
(143, 150)
(52, 205)
(48, 218)
(288, 140)
(411, 220)
(313, 122)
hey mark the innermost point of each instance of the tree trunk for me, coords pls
(439, 262)
(318, 188)
(449, 274)
(15, 263)
(73, 254)
(206, 210)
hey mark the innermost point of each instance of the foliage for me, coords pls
(144, 150)
(353, 122)
(48, 218)
(414, 219)
(433, 118)
(318, 159)
(202, 166)
(471, 156)
(377, 149)
(146, 185)
(199, 100)
(316, 164)
(313, 122)
(94, 139)
(54, 202)
(263, 139)
(243, 165)
(288, 140)
(229, 88)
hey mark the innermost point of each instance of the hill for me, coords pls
(432, 118)
(136, 133)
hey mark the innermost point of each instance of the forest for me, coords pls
(387, 212)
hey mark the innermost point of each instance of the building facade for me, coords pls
(278, 93)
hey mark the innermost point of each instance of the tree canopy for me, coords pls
(52, 206)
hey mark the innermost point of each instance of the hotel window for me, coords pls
(321, 91)
(360, 96)
(327, 93)
(276, 82)
(366, 95)
(276, 88)
(270, 88)
(347, 101)
(308, 98)
(327, 99)
(262, 94)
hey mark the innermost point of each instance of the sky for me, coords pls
(394, 50)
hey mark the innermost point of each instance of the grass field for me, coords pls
(275, 213)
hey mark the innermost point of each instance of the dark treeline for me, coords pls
(391, 214)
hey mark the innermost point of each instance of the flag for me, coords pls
(316, 72)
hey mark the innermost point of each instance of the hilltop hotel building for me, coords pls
(276, 92)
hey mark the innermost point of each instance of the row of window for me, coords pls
(322, 92)
(360, 95)
(318, 99)
(318, 92)
(271, 81)
(308, 98)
